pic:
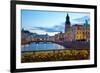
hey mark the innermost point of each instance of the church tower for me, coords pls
(67, 23)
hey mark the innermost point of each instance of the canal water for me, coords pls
(41, 46)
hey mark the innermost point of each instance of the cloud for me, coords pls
(82, 19)
(39, 31)
(49, 30)
(57, 28)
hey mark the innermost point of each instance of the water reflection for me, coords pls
(41, 46)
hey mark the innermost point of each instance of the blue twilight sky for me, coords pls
(49, 22)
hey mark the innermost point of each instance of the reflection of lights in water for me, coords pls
(22, 46)
(45, 46)
(27, 45)
(59, 46)
(36, 46)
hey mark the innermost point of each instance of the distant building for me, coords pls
(81, 32)
(77, 32)
(87, 30)
(59, 37)
(26, 35)
(42, 37)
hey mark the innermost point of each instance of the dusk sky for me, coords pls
(49, 22)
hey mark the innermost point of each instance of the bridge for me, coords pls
(42, 41)
(23, 42)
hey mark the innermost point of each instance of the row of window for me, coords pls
(83, 32)
(80, 37)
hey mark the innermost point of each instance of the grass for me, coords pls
(61, 55)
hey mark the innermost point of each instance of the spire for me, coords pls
(86, 23)
(67, 23)
(67, 19)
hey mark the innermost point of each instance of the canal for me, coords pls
(41, 46)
